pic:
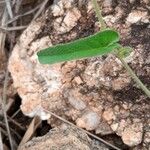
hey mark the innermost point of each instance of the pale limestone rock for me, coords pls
(71, 18)
(121, 82)
(89, 120)
(73, 98)
(76, 103)
(114, 126)
(107, 6)
(63, 25)
(109, 115)
(63, 138)
(132, 1)
(132, 135)
(136, 16)
(147, 137)
(58, 9)
(121, 126)
(103, 129)
(30, 72)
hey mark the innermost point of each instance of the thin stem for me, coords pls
(4, 98)
(136, 79)
(98, 14)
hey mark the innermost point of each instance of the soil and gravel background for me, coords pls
(96, 94)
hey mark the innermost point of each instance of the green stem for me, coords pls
(98, 14)
(136, 79)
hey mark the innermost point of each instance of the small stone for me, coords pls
(114, 126)
(71, 18)
(109, 115)
(77, 103)
(58, 10)
(107, 6)
(116, 108)
(125, 106)
(132, 1)
(120, 82)
(147, 137)
(103, 129)
(136, 16)
(132, 135)
(78, 80)
(89, 121)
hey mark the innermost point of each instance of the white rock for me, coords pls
(132, 135)
(136, 16)
(77, 104)
(114, 126)
(58, 9)
(89, 121)
(71, 18)
(109, 115)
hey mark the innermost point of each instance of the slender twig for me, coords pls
(40, 10)
(25, 14)
(9, 9)
(136, 79)
(1, 2)
(2, 34)
(90, 134)
(99, 15)
(4, 98)
(17, 6)
(2, 40)
(15, 113)
(1, 142)
(15, 28)
(11, 130)
(16, 123)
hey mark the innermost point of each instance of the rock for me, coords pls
(68, 22)
(103, 129)
(136, 16)
(114, 126)
(63, 138)
(132, 135)
(107, 6)
(121, 82)
(71, 96)
(147, 137)
(89, 121)
(109, 115)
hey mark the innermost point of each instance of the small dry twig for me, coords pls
(15, 113)
(1, 142)
(40, 10)
(16, 123)
(9, 9)
(4, 98)
(13, 28)
(25, 14)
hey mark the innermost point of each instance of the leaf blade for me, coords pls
(98, 44)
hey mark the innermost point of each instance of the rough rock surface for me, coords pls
(99, 86)
(63, 138)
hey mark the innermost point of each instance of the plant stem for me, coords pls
(98, 14)
(136, 79)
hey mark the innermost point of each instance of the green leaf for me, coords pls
(98, 44)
